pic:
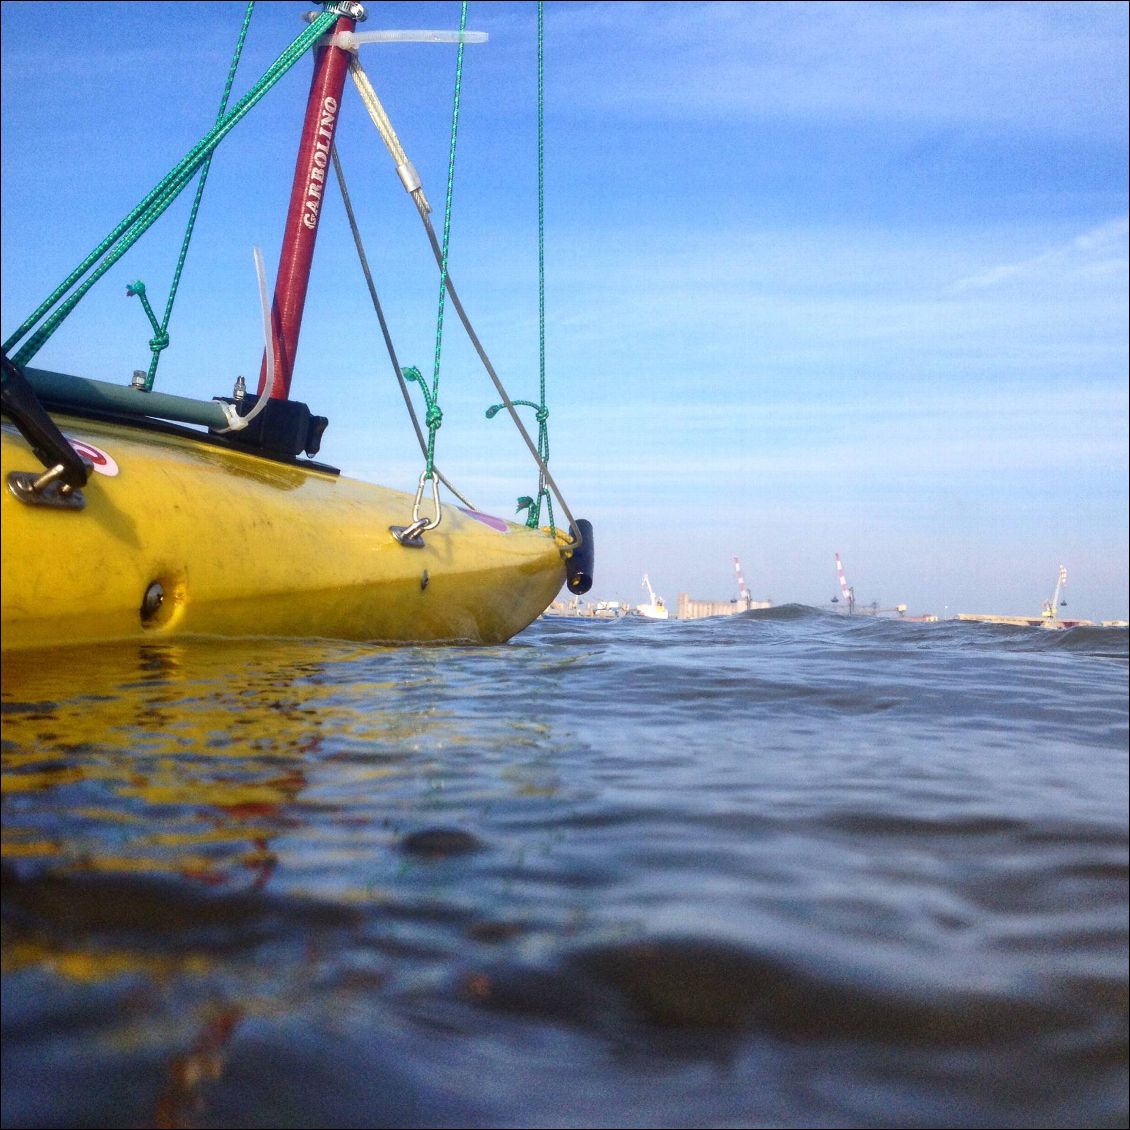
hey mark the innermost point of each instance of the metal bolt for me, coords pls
(152, 601)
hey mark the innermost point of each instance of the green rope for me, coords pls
(157, 201)
(525, 502)
(530, 505)
(160, 339)
(434, 415)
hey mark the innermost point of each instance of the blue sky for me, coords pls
(820, 277)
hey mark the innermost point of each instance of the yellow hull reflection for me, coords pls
(199, 832)
(180, 759)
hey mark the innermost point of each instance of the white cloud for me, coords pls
(1097, 252)
(1049, 67)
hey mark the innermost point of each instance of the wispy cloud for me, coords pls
(1099, 250)
(853, 306)
(1044, 66)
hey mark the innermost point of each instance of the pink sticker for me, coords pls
(499, 524)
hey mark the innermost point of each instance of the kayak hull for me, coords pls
(181, 537)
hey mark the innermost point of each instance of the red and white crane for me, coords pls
(849, 593)
(743, 592)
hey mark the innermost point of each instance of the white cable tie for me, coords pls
(360, 37)
(236, 422)
(352, 40)
(346, 40)
(268, 336)
(408, 176)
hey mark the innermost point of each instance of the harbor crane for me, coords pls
(743, 592)
(849, 593)
(1049, 614)
(1057, 600)
(655, 609)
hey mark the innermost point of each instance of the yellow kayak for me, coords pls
(179, 536)
(121, 523)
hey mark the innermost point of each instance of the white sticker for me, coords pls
(104, 464)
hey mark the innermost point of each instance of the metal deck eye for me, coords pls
(410, 535)
(47, 488)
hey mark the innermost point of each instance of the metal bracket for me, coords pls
(348, 8)
(46, 489)
(65, 467)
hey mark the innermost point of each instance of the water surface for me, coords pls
(786, 869)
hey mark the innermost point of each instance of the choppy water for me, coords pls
(786, 870)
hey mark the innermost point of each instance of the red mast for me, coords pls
(311, 176)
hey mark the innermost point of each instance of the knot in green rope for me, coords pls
(433, 416)
(160, 341)
(136, 289)
(532, 506)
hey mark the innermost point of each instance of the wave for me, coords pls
(784, 612)
(1092, 640)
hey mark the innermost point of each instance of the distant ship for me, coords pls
(591, 610)
(655, 609)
